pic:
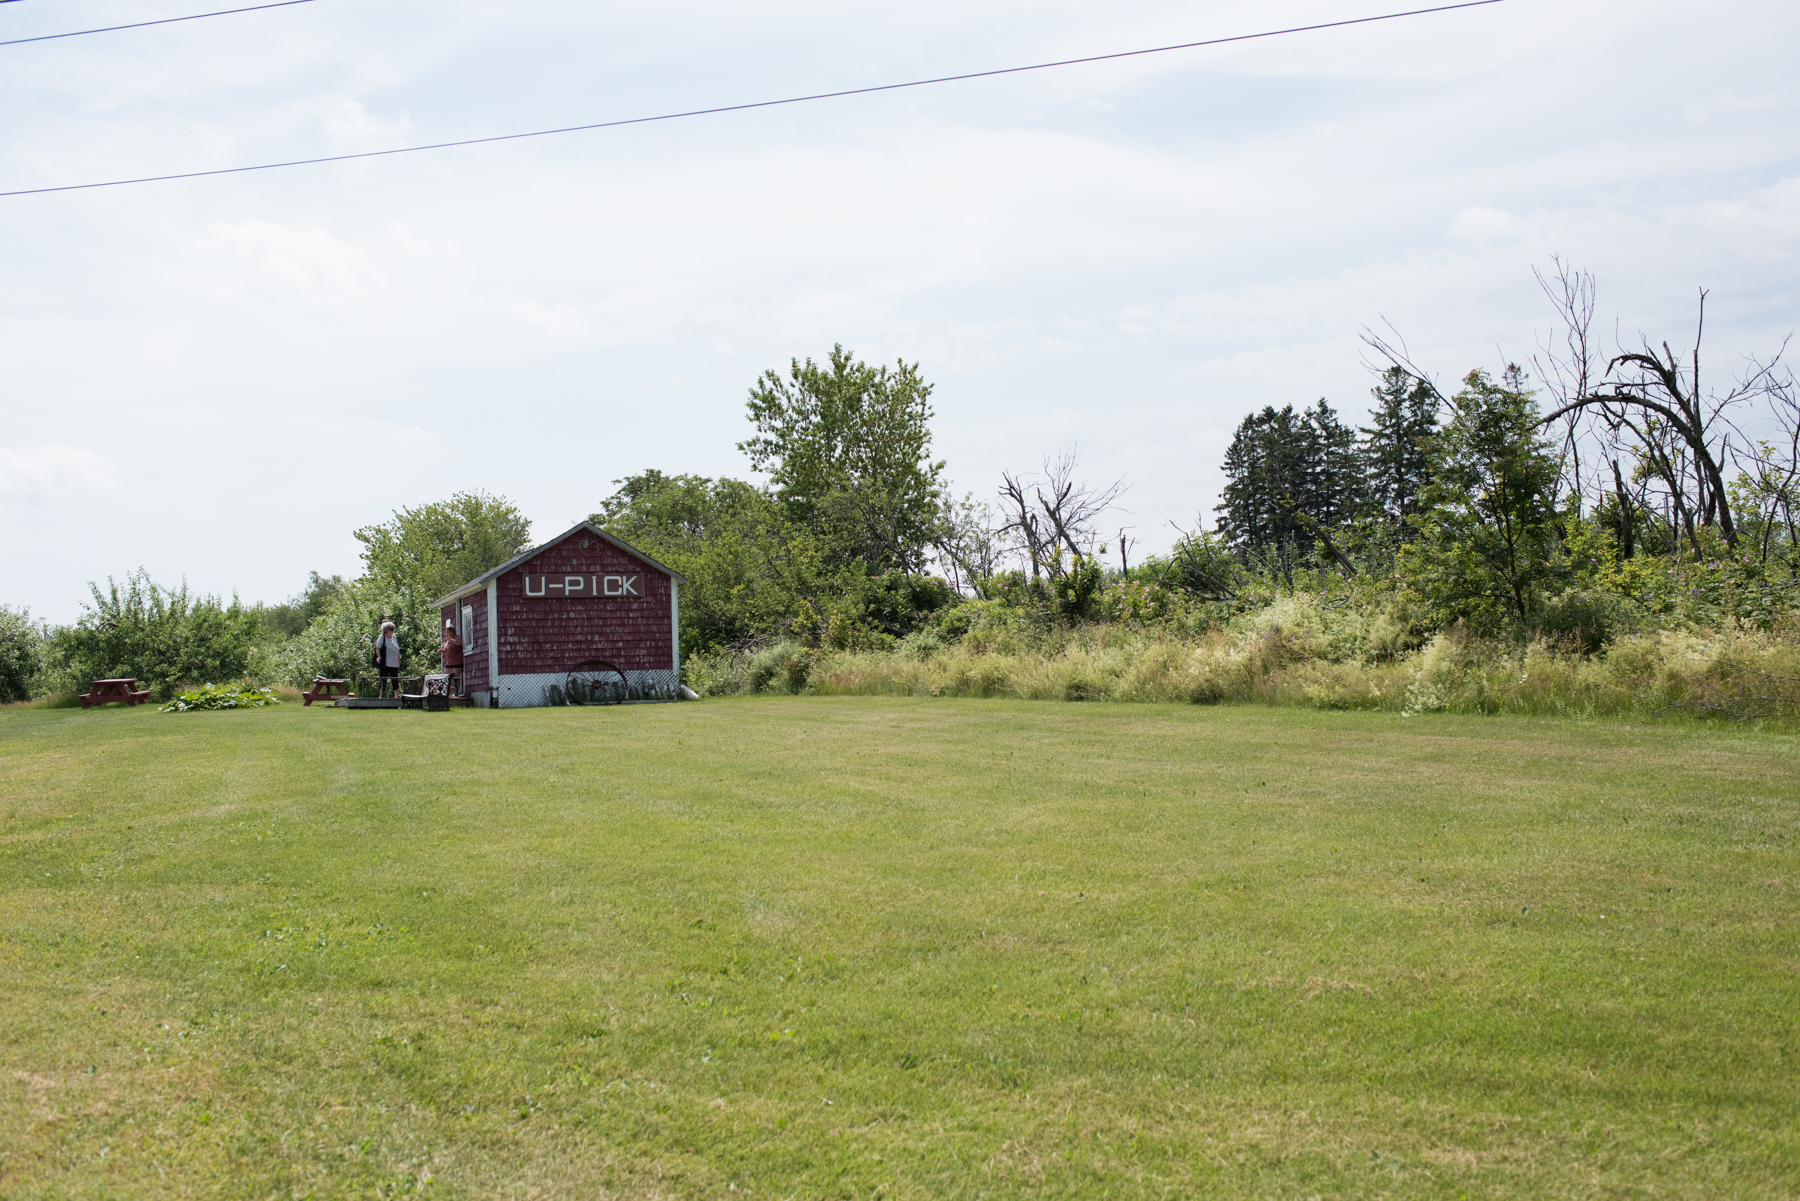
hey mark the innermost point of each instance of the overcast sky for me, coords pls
(219, 379)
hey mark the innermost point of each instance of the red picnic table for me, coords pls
(102, 691)
(325, 690)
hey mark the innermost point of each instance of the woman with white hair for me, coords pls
(387, 659)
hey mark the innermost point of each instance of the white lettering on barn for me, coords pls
(576, 586)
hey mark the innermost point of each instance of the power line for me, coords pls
(51, 37)
(738, 108)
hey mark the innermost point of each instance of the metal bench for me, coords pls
(433, 695)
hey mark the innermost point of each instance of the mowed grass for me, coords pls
(878, 947)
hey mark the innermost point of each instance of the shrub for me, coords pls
(21, 654)
(778, 667)
(897, 603)
(784, 666)
(162, 637)
(919, 645)
(339, 643)
(1584, 620)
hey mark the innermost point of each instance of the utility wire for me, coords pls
(738, 108)
(51, 37)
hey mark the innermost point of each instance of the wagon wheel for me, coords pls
(596, 682)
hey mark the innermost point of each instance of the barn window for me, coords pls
(468, 627)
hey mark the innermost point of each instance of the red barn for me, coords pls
(583, 598)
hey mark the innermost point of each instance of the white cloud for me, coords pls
(1482, 224)
(50, 472)
(349, 129)
(309, 266)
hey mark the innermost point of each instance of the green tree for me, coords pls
(727, 538)
(1488, 526)
(1334, 491)
(847, 447)
(21, 654)
(672, 515)
(421, 554)
(1265, 468)
(1293, 481)
(1404, 415)
(291, 616)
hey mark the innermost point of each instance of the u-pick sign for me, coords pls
(575, 586)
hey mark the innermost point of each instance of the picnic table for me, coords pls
(102, 691)
(325, 690)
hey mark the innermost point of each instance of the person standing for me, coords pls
(452, 654)
(387, 659)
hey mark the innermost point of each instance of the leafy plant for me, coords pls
(848, 449)
(222, 696)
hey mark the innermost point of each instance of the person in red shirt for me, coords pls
(452, 653)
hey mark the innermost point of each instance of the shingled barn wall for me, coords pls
(475, 656)
(553, 634)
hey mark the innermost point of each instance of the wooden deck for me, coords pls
(393, 702)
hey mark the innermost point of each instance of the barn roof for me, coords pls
(481, 580)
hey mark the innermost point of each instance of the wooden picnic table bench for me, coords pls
(101, 692)
(325, 690)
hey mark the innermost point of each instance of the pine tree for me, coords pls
(1396, 466)
(1292, 480)
(1335, 490)
(1265, 468)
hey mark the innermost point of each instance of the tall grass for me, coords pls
(1733, 674)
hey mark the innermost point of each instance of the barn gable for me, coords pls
(587, 529)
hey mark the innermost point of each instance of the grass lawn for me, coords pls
(876, 947)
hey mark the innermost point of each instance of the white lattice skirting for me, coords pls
(532, 691)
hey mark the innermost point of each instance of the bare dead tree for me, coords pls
(1052, 511)
(1391, 348)
(1021, 518)
(1568, 371)
(1772, 468)
(1683, 432)
(970, 548)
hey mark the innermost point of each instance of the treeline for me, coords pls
(1586, 496)
(1568, 503)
